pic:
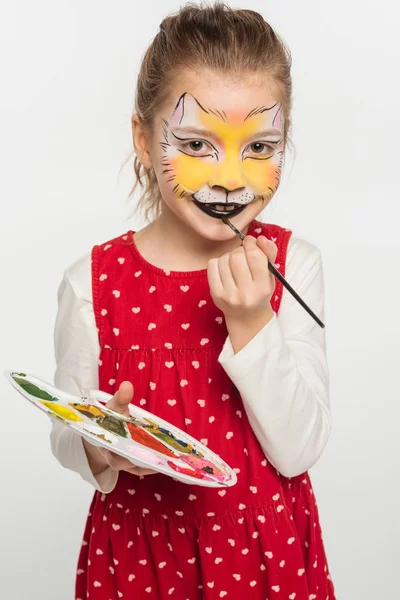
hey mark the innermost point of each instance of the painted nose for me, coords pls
(227, 186)
(228, 176)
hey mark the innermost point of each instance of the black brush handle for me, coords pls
(280, 277)
(295, 295)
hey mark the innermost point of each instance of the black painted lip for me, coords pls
(207, 208)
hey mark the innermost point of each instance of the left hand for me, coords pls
(240, 282)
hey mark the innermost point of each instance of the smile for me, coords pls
(218, 211)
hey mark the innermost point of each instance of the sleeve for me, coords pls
(282, 373)
(77, 351)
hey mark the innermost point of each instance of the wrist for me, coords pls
(242, 329)
(97, 462)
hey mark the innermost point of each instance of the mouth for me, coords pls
(220, 211)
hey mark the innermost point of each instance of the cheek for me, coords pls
(191, 173)
(261, 175)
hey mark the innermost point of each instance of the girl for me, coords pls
(195, 321)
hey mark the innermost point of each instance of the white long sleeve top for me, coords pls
(281, 374)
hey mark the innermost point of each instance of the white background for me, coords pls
(68, 72)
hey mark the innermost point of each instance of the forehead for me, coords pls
(235, 97)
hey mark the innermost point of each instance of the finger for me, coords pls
(256, 259)
(119, 463)
(214, 279)
(268, 247)
(121, 400)
(116, 462)
(225, 273)
(240, 269)
(140, 472)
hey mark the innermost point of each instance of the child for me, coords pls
(194, 320)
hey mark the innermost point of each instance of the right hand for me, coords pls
(120, 403)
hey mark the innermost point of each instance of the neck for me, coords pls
(171, 244)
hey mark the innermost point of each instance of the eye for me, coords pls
(196, 145)
(198, 148)
(259, 149)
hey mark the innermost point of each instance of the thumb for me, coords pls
(268, 247)
(121, 400)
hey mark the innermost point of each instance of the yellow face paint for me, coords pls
(217, 156)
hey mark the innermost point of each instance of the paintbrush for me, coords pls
(272, 268)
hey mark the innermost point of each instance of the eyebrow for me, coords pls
(259, 110)
(203, 132)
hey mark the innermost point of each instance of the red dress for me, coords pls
(157, 538)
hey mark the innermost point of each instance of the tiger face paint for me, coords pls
(222, 159)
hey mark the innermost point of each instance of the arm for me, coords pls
(77, 352)
(282, 373)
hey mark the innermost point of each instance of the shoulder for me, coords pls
(78, 276)
(302, 252)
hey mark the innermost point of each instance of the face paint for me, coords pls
(223, 160)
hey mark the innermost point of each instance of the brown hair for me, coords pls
(206, 36)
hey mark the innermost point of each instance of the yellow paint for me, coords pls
(230, 171)
(62, 411)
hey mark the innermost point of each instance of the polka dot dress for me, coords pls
(157, 538)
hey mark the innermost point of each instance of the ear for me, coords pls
(141, 143)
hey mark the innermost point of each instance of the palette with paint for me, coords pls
(143, 438)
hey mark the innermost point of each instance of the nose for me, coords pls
(224, 189)
(228, 176)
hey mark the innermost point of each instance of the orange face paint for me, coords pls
(219, 156)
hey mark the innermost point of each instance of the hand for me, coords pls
(118, 403)
(240, 282)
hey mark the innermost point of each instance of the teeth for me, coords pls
(224, 208)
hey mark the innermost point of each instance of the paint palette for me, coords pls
(143, 438)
